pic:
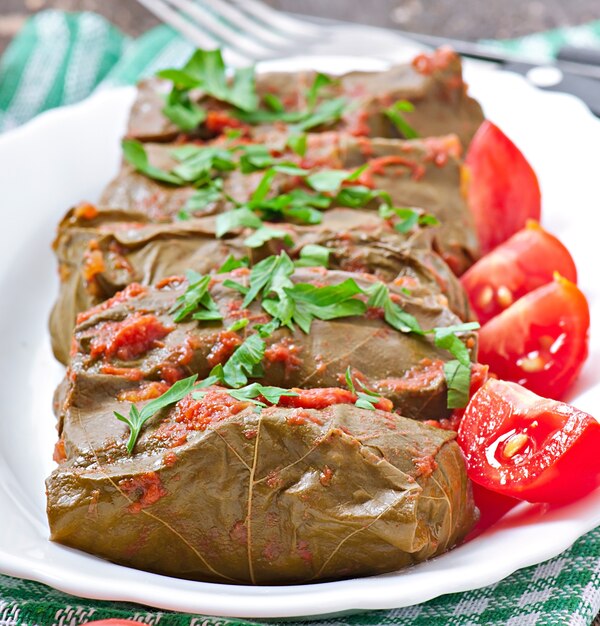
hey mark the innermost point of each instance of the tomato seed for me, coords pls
(531, 364)
(514, 445)
(485, 297)
(504, 296)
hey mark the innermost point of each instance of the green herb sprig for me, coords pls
(365, 397)
(396, 114)
(136, 418)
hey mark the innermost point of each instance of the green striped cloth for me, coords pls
(60, 58)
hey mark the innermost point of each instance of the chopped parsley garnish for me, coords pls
(290, 304)
(325, 113)
(135, 154)
(297, 143)
(313, 255)
(366, 397)
(209, 194)
(239, 324)
(251, 392)
(196, 300)
(395, 114)
(379, 297)
(232, 263)
(409, 217)
(205, 70)
(244, 363)
(137, 418)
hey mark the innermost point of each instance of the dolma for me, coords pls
(100, 251)
(418, 173)
(219, 490)
(432, 83)
(405, 367)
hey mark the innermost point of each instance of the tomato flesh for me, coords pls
(503, 190)
(541, 341)
(519, 265)
(521, 445)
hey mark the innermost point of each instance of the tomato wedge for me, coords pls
(519, 265)
(527, 447)
(503, 190)
(541, 341)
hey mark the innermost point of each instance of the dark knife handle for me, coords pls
(586, 89)
(575, 54)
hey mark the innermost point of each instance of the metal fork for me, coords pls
(247, 29)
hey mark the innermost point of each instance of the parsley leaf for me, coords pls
(458, 371)
(379, 297)
(236, 218)
(265, 233)
(297, 143)
(364, 398)
(196, 300)
(394, 113)
(270, 274)
(135, 154)
(324, 303)
(243, 363)
(239, 324)
(409, 217)
(184, 113)
(313, 255)
(209, 194)
(327, 180)
(198, 163)
(458, 381)
(232, 263)
(250, 392)
(326, 113)
(320, 81)
(206, 70)
(137, 418)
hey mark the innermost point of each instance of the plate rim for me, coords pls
(327, 600)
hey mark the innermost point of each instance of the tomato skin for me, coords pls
(519, 265)
(541, 341)
(492, 507)
(521, 445)
(503, 191)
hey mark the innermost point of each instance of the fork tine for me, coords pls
(230, 37)
(194, 34)
(275, 19)
(239, 19)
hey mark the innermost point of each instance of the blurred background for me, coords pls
(464, 19)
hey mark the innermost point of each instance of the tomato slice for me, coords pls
(527, 447)
(541, 341)
(503, 190)
(492, 506)
(519, 265)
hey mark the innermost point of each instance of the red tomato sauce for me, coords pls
(128, 339)
(377, 168)
(131, 291)
(322, 397)
(145, 490)
(224, 347)
(439, 59)
(215, 406)
(284, 351)
(423, 375)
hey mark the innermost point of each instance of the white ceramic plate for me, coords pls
(69, 155)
